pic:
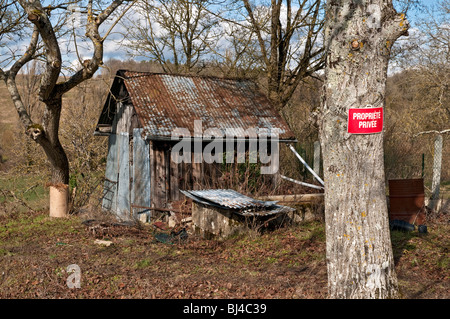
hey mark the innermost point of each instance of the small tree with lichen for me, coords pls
(44, 44)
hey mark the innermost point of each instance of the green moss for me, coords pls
(444, 262)
(35, 125)
(37, 12)
(30, 189)
(26, 226)
(145, 263)
(5, 252)
(271, 260)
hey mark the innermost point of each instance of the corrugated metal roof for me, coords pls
(239, 203)
(164, 102)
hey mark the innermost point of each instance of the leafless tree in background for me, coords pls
(177, 34)
(289, 39)
(427, 53)
(11, 25)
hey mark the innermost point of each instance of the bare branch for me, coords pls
(432, 132)
(36, 14)
(109, 10)
(117, 20)
(185, 30)
(10, 78)
(257, 28)
(89, 67)
(27, 56)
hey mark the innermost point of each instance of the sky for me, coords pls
(113, 49)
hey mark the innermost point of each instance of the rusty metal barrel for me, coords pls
(407, 200)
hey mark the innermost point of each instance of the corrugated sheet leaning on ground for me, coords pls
(165, 102)
(239, 203)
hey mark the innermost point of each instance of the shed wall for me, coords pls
(141, 176)
(127, 176)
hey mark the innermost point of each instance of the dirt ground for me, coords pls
(145, 262)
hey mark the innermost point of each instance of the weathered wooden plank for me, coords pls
(123, 196)
(109, 201)
(152, 173)
(174, 183)
(161, 171)
(186, 172)
(158, 162)
(167, 178)
(211, 175)
(197, 173)
(296, 198)
(123, 116)
(140, 191)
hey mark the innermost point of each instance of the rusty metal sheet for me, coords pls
(407, 200)
(164, 102)
(239, 203)
(230, 198)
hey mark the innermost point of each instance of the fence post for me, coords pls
(437, 163)
(316, 163)
(423, 165)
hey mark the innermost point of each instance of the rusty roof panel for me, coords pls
(165, 102)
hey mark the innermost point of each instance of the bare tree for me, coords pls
(426, 52)
(177, 34)
(11, 21)
(419, 99)
(240, 57)
(51, 88)
(358, 39)
(289, 43)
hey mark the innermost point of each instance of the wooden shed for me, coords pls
(146, 115)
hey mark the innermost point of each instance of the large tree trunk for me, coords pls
(358, 38)
(59, 188)
(47, 137)
(52, 146)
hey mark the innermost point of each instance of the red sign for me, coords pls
(365, 121)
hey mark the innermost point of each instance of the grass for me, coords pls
(425, 250)
(138, 266)
(444, 191)
(23, 193)
(285, 263)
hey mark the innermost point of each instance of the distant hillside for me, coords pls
(8, 112)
